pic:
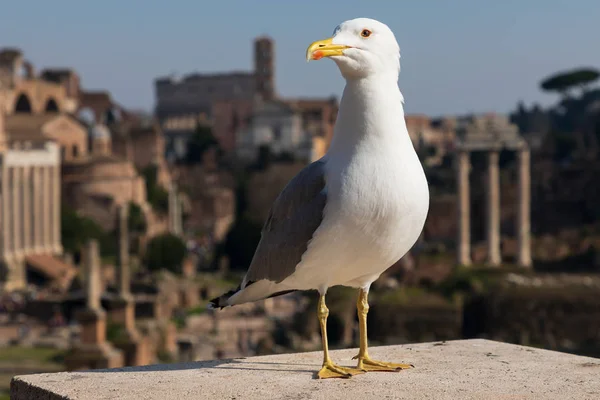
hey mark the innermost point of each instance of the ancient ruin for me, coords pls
(491, 134)
(135, 348)
(93, 351)
(29, 207)
(175, 212)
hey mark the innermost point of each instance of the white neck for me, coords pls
(371, 108)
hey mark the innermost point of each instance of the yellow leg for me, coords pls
(330, 370)
(365, 362)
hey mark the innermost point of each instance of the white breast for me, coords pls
(383, 201)
(376, 209)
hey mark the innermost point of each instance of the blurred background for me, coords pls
(143, 143)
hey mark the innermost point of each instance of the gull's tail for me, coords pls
(252, 291)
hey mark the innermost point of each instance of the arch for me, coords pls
(112, 115)
(51, 105)
(23, 105)
(109, 117)
(87, 115)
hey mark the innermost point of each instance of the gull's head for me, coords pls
(360, 47)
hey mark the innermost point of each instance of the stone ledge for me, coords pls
(463, 369)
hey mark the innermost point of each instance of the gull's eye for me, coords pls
(365, 33)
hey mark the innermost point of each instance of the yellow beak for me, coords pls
(324, 48)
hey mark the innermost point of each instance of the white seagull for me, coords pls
(348, 217)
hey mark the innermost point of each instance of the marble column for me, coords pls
(16, 212)
(493, 209)
(135, 348)
(524, 210)
(4, 213)
(47, 210)
(93, 351)
(92, 280)
(38, 214)
(123, 251)
(174, 210)
(464, 208)
(31, 209)
(26, 190)
(56, 200)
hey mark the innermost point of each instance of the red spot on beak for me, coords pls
(317, 55)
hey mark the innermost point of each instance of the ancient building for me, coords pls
(98, 107)
(264, 67)
(30, 93)
(66, 131)
(280, 126)
(228, 118)
(29, 208)
(232, 102)
(437, 136)
(183, 103)
(120, 144)
(491, 134)
(35, 133)
(140, 140)
(212, 200)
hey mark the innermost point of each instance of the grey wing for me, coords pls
(292, 221)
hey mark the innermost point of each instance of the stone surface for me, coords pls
(465, 369)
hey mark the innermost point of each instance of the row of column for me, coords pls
(30, 210)
(493, 209)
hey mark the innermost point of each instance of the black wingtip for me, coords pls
(221, 301)
(218, 303)
(214, 304)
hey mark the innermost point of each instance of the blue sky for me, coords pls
(458, 56)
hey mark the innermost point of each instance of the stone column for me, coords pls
(16, 212)
(174, 210)
(56, 202)
(123, 251)
(93, 351)
(524, 210)
(464, 208)
(38, 214)
(32, 208)
(92, 279)
(135, 348)
(5, 212)
(26, 207)
(47, 209)
(493, 209)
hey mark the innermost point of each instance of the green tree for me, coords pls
(77, 229)
(165, 251)
(136, 220)
(202, 140)
(243, 236)
(158, 197)
(562, 82)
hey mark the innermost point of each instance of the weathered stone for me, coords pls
(473, 369)
(464, 214)
(93, 351)
(491, 134)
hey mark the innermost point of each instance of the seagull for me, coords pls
(349, 216)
